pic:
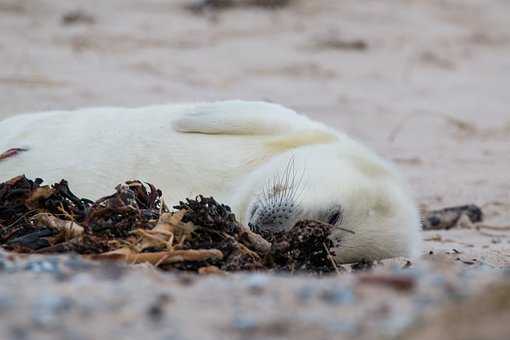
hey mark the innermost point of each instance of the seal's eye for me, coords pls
(335, 217)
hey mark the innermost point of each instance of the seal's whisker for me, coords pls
(284, 183)
(298, 196)
(265, 191)
(290, 180)
(279, 192)
(281, 187)
(298, 188)
(295, 186)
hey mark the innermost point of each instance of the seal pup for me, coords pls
(272, 165)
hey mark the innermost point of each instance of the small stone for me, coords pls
(257, 282)
(338, 296)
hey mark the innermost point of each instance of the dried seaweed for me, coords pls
(216, 227)
(27, 207)
(306, 247)
(447, 218)
(134, 225)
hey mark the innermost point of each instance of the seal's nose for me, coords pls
(275, 217)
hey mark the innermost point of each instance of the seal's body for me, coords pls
(270, 164)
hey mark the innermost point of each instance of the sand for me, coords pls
(425, 83)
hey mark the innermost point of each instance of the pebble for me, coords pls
(257, 282)
(338, 296)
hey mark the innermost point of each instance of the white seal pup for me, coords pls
(270, 164)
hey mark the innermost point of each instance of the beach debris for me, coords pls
(336, 42)
(11, 153)
(448, 218)
(398, 282)
(200, 6)
(362, 266)
(135, 226)
(305, 247)
(77, 17)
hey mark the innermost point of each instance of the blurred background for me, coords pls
(424, 82)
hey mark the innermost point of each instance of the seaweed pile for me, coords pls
(135, 225)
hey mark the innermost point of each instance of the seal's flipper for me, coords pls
(241, 118)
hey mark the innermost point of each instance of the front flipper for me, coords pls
(242, 118)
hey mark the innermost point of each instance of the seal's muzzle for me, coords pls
(275, 217)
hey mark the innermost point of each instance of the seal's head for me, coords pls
(355, 191)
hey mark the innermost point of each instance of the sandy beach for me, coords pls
(424, 83)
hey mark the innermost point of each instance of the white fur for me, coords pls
(228, 150)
